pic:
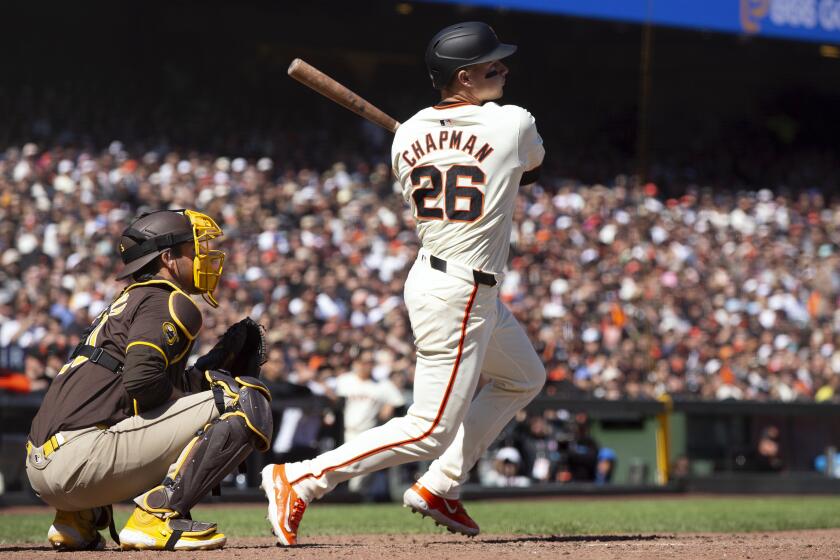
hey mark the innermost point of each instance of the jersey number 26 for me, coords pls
(453, 192)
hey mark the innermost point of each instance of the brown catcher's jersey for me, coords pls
(150, 328)
(460, 166)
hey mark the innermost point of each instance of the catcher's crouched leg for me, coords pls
(161, 519)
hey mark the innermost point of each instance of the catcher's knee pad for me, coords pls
(247, 397)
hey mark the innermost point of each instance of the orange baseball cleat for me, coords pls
(448, 513)
(285, 507)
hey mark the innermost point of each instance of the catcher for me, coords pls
(125, 418)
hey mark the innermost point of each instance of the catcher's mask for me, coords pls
(153, 232)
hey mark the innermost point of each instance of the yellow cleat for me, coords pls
(79, 530)
(144, 531)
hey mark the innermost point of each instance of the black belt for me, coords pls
(480, 277)
(97, 355)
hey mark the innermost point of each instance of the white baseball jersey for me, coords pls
(460, 166)
(365, 398)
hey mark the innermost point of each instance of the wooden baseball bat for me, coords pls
(313, 78)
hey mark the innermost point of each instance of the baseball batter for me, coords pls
(461, 163)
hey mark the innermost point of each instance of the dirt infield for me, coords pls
(793, 545)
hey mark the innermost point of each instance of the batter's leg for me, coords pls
(452, 322)
(516, 376)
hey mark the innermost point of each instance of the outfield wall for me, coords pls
(716, 438)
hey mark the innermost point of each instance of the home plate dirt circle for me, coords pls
(793, 545)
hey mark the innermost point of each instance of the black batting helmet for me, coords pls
(460, 45)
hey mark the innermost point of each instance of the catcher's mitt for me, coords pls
(241, 350)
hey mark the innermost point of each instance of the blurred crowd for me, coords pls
(552, 446)
(625, 293)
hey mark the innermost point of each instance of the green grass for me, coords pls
(576, 516)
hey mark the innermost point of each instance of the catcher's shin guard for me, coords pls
(245, 424)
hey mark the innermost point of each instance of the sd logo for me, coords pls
(170, 333)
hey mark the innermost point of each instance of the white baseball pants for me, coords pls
(462, 330)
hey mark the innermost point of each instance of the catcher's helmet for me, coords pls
(460, 45)
(149, 235)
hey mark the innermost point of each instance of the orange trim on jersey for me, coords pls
(451, 105)
(436, 421)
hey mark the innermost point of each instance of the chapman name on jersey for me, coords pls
(460, 166)
(446, 139)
